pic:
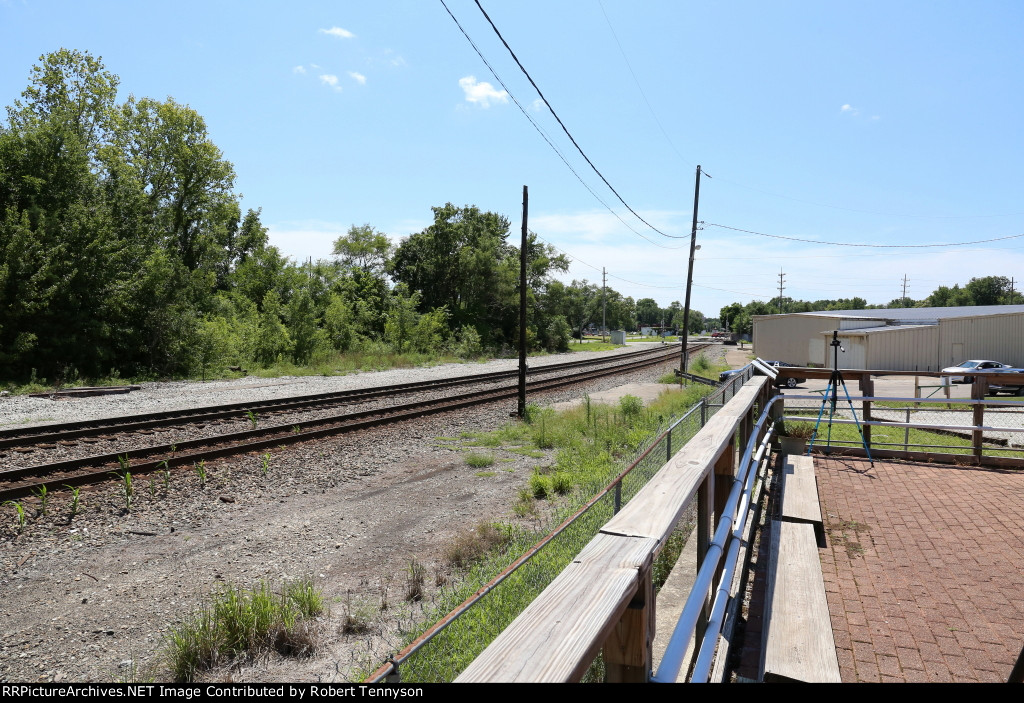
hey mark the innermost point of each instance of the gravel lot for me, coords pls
(91, 598)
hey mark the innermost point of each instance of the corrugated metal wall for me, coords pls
(996, 337)
(797, 339)
(786, 337)
(906, 349)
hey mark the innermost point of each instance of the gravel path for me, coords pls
(92, 597)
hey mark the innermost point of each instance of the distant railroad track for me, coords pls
(23, 481)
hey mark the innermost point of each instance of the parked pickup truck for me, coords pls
(995, 387)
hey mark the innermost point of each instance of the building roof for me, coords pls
(919, 315)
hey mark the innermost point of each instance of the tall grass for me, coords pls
(242, 622)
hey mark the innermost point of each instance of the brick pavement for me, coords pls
(924, 569)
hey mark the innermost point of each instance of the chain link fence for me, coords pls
(500, 591)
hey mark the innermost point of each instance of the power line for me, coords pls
(564, 128)
(543, 134)
(869, 246)
(640, 87)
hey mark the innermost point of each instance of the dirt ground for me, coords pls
(93, 596)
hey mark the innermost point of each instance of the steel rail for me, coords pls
(241, 442)
(51, 433)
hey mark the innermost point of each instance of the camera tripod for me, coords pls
(831, 396)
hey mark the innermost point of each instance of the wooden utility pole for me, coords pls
(781, 278)
(521, 407)
(689, 277)
(604, 302)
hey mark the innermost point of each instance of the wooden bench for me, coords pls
(797, 642)
(800, 494)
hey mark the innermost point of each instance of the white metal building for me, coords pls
(898, 339)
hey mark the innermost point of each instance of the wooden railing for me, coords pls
(604, 600)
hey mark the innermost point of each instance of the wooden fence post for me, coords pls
(867, 390)
(979, 389)
(628, 657)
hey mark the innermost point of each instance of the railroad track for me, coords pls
(23, 481)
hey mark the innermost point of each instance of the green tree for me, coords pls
(363, 248)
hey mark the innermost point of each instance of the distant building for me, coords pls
(897, 339)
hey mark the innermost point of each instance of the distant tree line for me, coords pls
(124, 251)
(988, 290)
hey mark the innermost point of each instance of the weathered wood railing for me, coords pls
(604, 600)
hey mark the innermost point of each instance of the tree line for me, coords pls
(987, 290)
(124, 250)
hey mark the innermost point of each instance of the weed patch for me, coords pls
(480, 461)
(243, 622)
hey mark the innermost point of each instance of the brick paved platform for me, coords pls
(924, 569)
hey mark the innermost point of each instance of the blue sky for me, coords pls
(867, 122)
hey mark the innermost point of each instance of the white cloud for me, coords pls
(849, 110)
(331, 80)
(481, 93)
(315, 66)
(537, 105)
(337, 32)
(392, 58)
(357, 77)
(299, 69)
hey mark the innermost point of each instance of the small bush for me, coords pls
(474, 544)
(631, 406)
(540, 486)
(561, 483)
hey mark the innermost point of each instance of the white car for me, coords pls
(972, 365)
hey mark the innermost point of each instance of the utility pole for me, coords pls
(1011, 290)
(683, 356)
(604, 303)
(781, 277)
(904, 290)
(521, 407)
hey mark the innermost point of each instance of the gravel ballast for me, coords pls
(92, 597)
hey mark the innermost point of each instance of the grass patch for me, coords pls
(594, 347)
(485, 474)
(896, 438)
(244, 623)
(527, 452)
(480, 461)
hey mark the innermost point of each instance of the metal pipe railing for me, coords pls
(727, 542)
(727, 530)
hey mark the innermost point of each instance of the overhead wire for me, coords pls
(544, 135)
(869, 246)
(565, 129)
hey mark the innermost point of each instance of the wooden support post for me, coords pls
(867, 390)
(705, 514)
(627, 651)
(776, 413)
(979, 389)
(725, 471)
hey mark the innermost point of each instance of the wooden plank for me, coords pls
(557, 636)
(798, 643)
(800, 492)
(656, 508)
